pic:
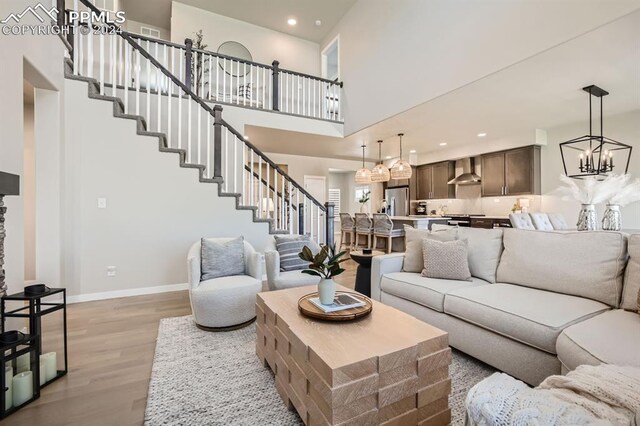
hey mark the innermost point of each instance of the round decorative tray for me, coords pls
(307, 308)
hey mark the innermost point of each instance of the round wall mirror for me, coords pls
(234, 50)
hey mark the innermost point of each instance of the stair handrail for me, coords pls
(217, 117)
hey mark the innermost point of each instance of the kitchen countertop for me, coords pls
(492, 217)
(419, 217)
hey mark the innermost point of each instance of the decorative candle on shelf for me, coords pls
(50, 365)
(43, 371)
(23, 363)
(22, 388)
(8, 382)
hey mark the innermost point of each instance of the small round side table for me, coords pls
(363, 274)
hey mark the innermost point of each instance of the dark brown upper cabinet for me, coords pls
(512, 172)
(432, 181)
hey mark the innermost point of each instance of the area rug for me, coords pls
(203, 378)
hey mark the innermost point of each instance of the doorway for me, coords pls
(29, 182)
(314, 225)
(331, 60)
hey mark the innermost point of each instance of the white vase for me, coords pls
(326, 291)
(363, 208)
(587, 218)
(612, 221)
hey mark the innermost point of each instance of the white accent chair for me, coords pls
(521, 221)
(558, 221)
(224, 303)
(280, 280)
(541, 221)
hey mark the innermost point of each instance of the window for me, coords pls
(149, 32)
(110, 5)
(361, 191)
(334, 197)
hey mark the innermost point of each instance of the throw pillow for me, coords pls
(221, 259)
(413, 259)
(446, 260)
(288, 247)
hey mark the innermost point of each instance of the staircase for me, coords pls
(143, 86)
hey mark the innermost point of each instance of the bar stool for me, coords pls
(364, 227)
(383, 228)
(347, 229)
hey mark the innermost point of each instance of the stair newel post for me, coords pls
(276, 85)
(329, 219)
(301, 219)
(217, 141)
(188, 62)
(61, 12)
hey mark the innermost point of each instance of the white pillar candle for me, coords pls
(43, 371)
(23, 363)
(50, 365)
(8, 382)
(22, 388)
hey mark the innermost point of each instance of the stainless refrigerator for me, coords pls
(397, 201)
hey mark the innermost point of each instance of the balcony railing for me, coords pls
(227, 80)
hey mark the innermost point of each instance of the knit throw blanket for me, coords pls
(589, 395)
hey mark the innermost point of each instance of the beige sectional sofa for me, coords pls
(540, 303)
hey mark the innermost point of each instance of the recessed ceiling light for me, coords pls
(482, 135)
(318, 23)
(443, 144)
(292, 21)
(388, 157)
(413, 151)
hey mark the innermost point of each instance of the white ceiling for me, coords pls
(272, 14)
(541, 92)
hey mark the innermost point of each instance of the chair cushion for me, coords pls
(222, 258)
(557, 221)
(413, 259)
(527, 315)
(631, 289)
(424, 291)
(521, 221)
(288, 246)
(291, 279)
(586, 264)
(612, 338)
(225, 301)
(541, 221)
(446, 259)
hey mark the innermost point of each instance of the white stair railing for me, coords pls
(140, 73)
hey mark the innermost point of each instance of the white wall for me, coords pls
(39, 60)
(396, 55)
(265, 45)
(624, 128)
(134, 27)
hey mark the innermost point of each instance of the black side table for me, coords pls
(363, 274)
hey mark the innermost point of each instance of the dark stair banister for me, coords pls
(216, 113)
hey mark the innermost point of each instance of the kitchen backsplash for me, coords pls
(468, 200)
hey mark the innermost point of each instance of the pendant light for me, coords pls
(593, 155)
(363, 175)
(380, 173)
(401, 169)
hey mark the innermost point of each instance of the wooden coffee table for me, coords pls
(386, 368)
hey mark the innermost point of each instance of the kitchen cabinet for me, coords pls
(413, 184)
(512, 172)
(433, 181)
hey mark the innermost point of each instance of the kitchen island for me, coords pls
(418, 221)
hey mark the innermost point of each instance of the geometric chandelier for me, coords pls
(594, 155)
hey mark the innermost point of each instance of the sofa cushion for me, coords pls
(447, 260)
(424, 291)
(586, 264)
(530, 316)
(413, 259)
(612, 338)
(631, 289)
(291, 279)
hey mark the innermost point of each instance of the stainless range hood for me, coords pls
(468, 176)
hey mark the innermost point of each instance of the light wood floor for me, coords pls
(111, 348)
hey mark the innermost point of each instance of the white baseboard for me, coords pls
(126, 293)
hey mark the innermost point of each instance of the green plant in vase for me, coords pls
(364, 198)
(326, 265)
